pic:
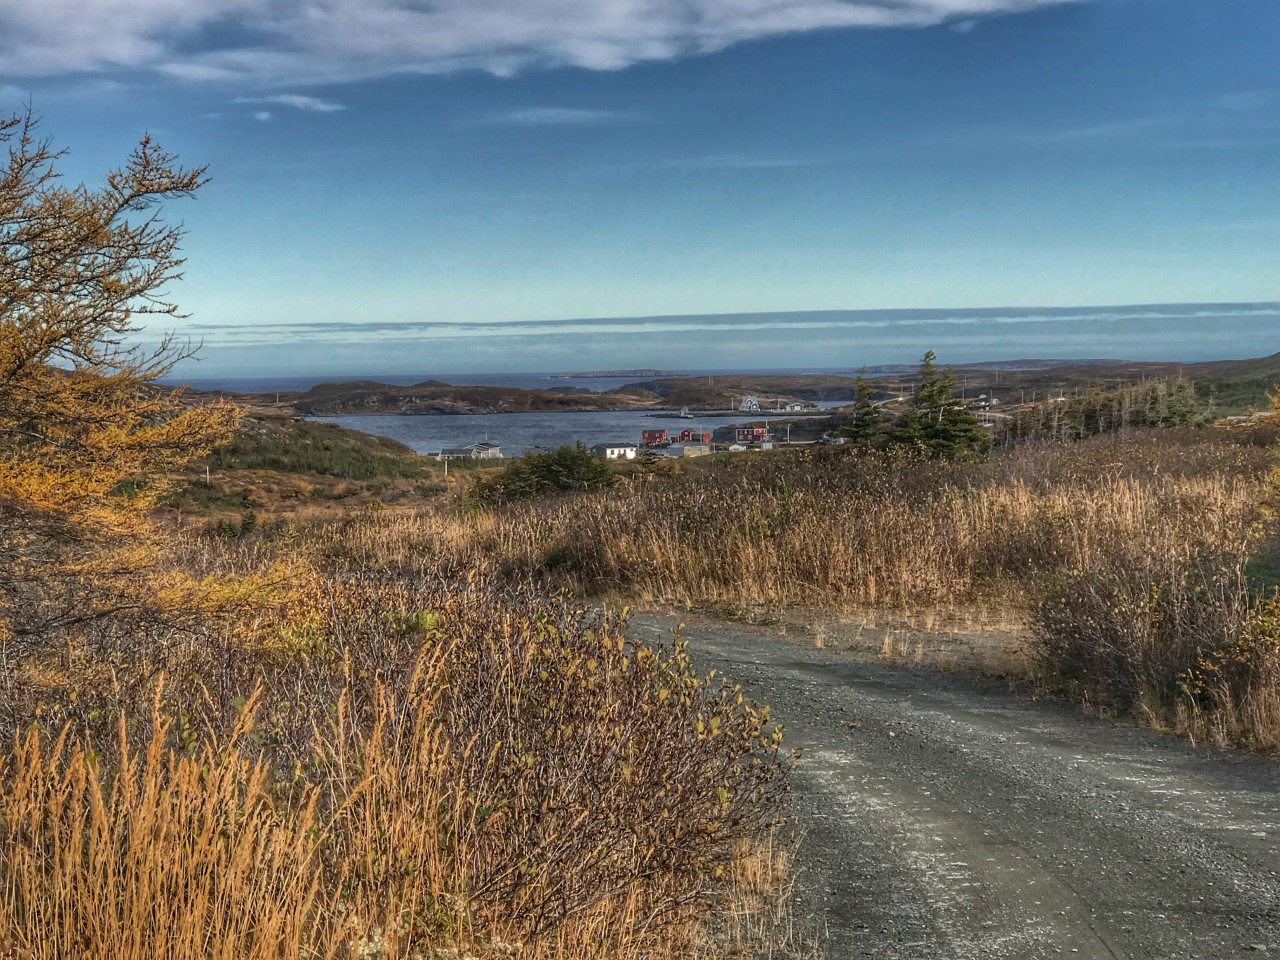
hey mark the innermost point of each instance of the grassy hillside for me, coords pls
(279, 466)
(1236, 384)
(723, 391)
(434, 396)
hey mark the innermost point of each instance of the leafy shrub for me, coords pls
(566, 469)
(1236, 688)
(1126, 630)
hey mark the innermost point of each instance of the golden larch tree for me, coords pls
(89, 439)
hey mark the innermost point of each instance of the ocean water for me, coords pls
(518, 433)
(291, 356)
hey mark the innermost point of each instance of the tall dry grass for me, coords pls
(829, 529)
(1130, 553)
(408, 770)
(164, 854)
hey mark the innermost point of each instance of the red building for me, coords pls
(656, 438)
(751, 434)
(692, 436)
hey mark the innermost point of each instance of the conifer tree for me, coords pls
(89, 440)
(868, 419)
(937, 422)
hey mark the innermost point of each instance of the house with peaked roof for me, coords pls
(615, 451)
(483, 450)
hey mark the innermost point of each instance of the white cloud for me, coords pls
(736, 162)
(311, 41)
(262, 116)
(1246, 100)
(297, 101)
(554, 117)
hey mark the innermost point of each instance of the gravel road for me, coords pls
(947, 817)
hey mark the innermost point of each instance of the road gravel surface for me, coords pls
(947, 816)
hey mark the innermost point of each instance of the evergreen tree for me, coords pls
(937, 422)
(570, 468)
(868, 423)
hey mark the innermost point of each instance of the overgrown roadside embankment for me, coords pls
(1131, 558)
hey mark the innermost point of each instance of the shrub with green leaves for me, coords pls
(566, 469)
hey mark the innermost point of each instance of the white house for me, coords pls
(615, 451)
(484, 450)
(750, 404)
(689, 450)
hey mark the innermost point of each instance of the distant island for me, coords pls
(611, 374)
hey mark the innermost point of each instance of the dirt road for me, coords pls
(949, 818)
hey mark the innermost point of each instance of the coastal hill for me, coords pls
(1232, 385)
(437, 397)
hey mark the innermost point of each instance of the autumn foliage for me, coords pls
(88, 439)
(219, 749)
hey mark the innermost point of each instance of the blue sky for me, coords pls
(420, 162)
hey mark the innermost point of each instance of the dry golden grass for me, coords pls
(438, 771)
(832, 534)
(1130, 554)
(168, 854)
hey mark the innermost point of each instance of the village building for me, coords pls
(483, 450)
(689, 450)
(615, 451)
(750, 404)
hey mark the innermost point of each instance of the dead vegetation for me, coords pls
(1135, 556)
(372, 769)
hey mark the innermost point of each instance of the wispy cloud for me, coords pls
(1102, 132)
(554, 117)
(290, 42)
(720, 324)
(1111, 130)
(263, 116)
(736, 162)
(1245, 101)
(297, 101)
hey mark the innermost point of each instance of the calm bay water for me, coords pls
(517, 433)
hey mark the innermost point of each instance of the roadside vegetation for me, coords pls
(1139, 558)
(231, 746)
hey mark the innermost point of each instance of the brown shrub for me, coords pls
(1235, 689)
(429, 767)
(1125, 632)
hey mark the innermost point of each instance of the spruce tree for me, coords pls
(937, 422)
(868, 425)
